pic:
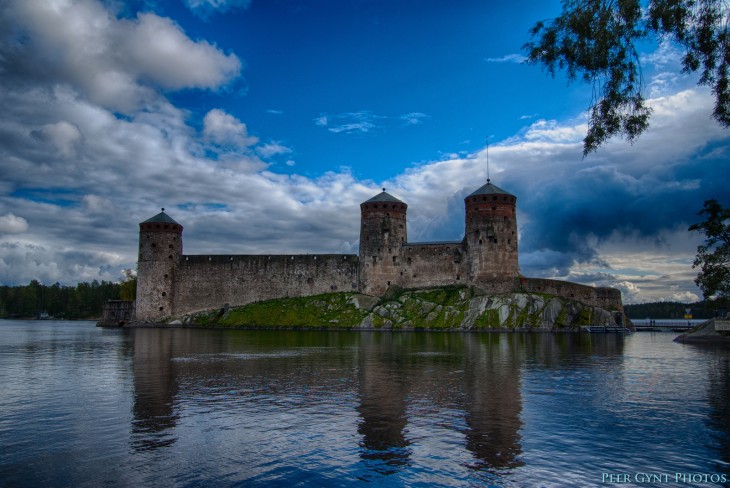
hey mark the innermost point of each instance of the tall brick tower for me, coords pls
(160, 248)
(491, 233)
(383, 230)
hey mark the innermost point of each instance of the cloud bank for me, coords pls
(90, 146)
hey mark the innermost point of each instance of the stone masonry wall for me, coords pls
(603, 297)
(207, 282)
(432, 264)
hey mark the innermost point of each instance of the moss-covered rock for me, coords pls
(438, 308)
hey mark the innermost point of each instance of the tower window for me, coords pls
(480, 242)
(164, 293)
(395, 259)
(154, 245)
(375, 259)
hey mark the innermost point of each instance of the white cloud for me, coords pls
(272, 149)
(63, 135)
(321, 121)
(509, 58)
(348, 123)
(11, 224)
(225, 129)
(207, 7)
(116, 63)
(365, 121)
(555, 132)
(414, 118)
(155, 48)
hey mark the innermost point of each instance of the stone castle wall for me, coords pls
(207, 282)
(117, 313)
(172, 284)
(431, 264)
(602, 297)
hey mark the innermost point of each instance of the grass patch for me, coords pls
(333, 310)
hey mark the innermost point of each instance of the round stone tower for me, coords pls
(491, 233)
(383, 230)
(160, 248)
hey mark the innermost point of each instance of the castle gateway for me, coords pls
(172, 284)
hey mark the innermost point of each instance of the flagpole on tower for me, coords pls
(487, 138)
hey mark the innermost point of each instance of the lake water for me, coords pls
(85, 407)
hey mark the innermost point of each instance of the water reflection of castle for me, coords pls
(395, 382)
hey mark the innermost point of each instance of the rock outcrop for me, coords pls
(711, 331)
(450, 308)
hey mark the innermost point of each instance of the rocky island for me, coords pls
(392, 283)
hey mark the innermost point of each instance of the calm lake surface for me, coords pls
(83, 406)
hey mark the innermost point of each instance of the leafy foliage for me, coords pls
(713, 257)
(128, 286)
(595, 40)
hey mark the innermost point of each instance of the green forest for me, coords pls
(705, 309)
(83, 301)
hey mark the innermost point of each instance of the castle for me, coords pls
(172, 284)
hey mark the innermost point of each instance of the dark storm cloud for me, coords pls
(629, 205)
(571, 213)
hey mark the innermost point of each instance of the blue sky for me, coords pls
(261, 126)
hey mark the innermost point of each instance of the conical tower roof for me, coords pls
(489, 189)
(161, 217)
(384, 196)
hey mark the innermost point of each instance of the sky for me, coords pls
(261, 125)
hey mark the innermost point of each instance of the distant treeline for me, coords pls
(675, 310)
(83, 301)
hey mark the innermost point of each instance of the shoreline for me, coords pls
(522, 330)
